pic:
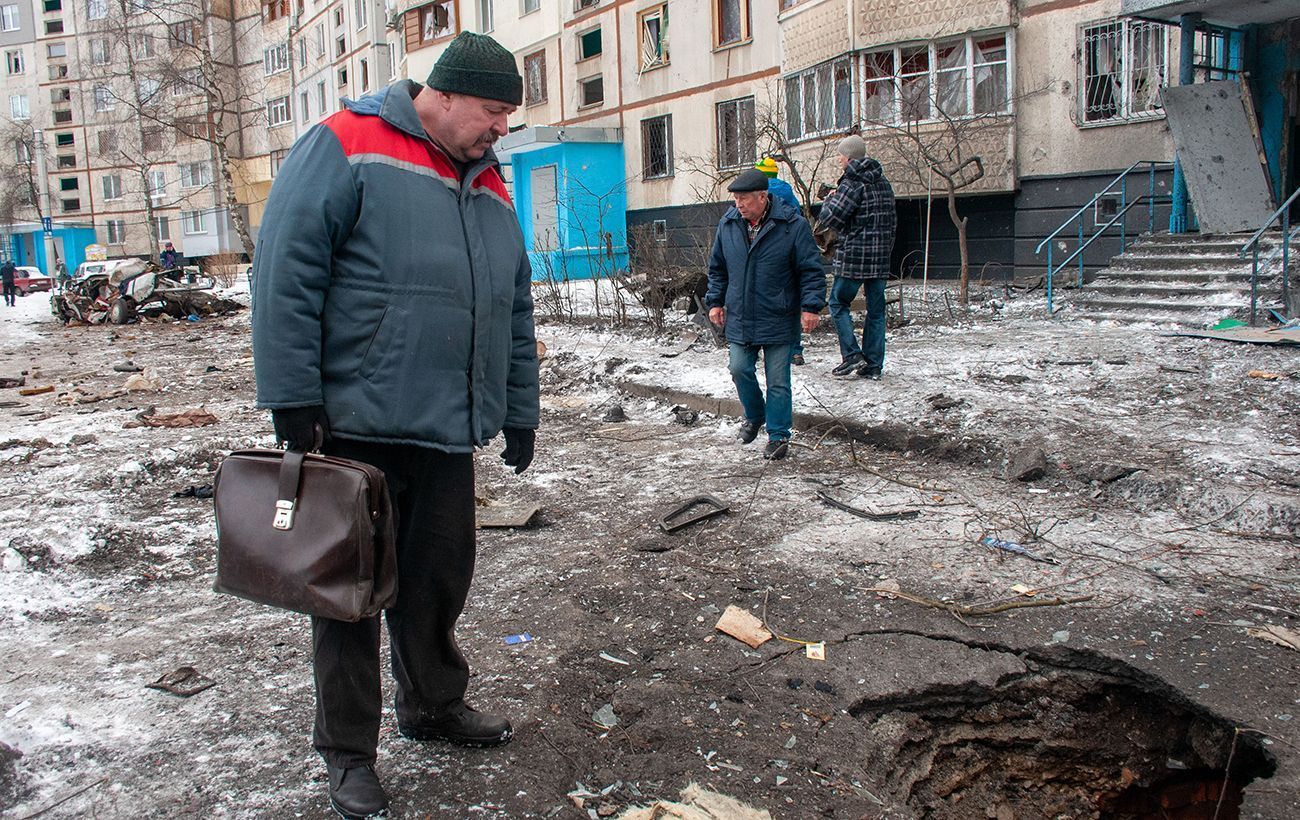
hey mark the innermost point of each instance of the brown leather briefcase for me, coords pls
(305, 532)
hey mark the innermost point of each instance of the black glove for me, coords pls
(519, 448)
(296, 426)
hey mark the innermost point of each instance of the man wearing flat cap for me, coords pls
(765, 285)
(393, 321)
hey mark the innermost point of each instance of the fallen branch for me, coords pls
(65, 798)
(961, 610)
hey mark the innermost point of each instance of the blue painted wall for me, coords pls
(75, 241)
(1274, 57)
(591, 199)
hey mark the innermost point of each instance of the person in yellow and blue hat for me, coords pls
(780, 189)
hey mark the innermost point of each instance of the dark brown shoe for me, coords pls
(460, 724)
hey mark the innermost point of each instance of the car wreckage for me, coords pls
(137, 288)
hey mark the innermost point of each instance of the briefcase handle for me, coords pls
(287, 495)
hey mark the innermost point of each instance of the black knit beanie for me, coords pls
(477, 65)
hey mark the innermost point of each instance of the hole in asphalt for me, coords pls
(1079, 735)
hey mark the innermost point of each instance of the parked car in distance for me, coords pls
(31, 280)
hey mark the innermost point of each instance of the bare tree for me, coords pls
(19, 187)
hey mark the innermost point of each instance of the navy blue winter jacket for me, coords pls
(765, 286)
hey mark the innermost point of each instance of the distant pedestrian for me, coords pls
(7, 271)
(780, 189)
(861, 210)
(765, 283)
(170, 258)
(61, 278)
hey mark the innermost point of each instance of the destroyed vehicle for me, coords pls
(106, 267)
(137, 288)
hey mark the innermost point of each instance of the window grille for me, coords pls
(657, 147)
(735, 125)
(1124, 66)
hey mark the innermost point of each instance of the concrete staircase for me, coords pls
(1185, 279)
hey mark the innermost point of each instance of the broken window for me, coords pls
(653, 25)
(657, 147)
(1124, 66)
(820, 100)
(535, 78)
(735, 122)
(437, 21)
(953, 78)
(731, 21)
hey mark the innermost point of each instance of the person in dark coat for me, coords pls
(170, 257)
(393, 318)
(7, 273)
(765, 285)
(861, 209)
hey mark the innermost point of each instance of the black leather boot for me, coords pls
(356, 794)
(460, 724)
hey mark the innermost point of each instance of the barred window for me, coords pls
(535, 78)
(820, 100)
(735, 122)
(958, 77)
(1124, 64)
(657, 147)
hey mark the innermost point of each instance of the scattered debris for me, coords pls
(184, 681)
(16, 709)
(1280, 635)
(963, 611)
(191, 417)
(794, 683)
(676, 518)
(1024, 589)
(605, 717)
(1265, 375)
(12, 381)
(871, 515)
(127, 366)
(743, 626)
(1059, 636)
(1027, 464)
(697, 803)
(815, 651)
(1106, 473)
(1016, 549)
(36, 391)
(942, 401)
(684, 343)
(143, 382)
(685, 415)
(506, 516)
(512, 640)
(614, 415)
(1248, 335)
(195, 491)
(824, 687)
(887, 589)
(608, 657)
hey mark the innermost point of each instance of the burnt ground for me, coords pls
(1148, 696)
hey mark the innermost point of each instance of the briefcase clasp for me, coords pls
(283, 515)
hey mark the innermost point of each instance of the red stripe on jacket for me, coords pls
(368, 134)
(494, 182)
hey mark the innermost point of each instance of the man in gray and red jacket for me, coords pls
(393, 318)
(862, 210)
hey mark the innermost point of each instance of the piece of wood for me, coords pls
(743, 626)
(507, 516)
(36, 391)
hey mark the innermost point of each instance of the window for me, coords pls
(277, 112)
(657, 147)
(277, 159)
(736, 133)
(9, 17)
(195, 174)
(591, 91)
(70, 204)
(589, 44)
(60, 95)
(181, 34)
(535, 78)
(361, 13)
(302, 52)
(531, 6)
(484, 16)
(341, 45)
(731, 21)
(107, 143)
(1124, 66)
(65, 161)
(53, 5)
(58, 71)
(343, 76)
(153, 140)
(65, 140)
(320, 40)
(53, 26)
(24, 152)
(148, 88)
(189, 81)
(96, 9)
(653, 25)
(99, 51)
(69, 184)
(56, 50)
(275, 59)
(304, 108)
(14, 62)
(364, 64)
(138, 6)
(18, 109)
(112, 186)
(116, 231)
(144, 49)
(157, 186)
(960, 77)
(819, 100)
(338, 17)
(275, 9)
(437, 21)
(585, 4)
(320, 97)
(193, 222)
(162, 228)
(659, 230)
(1212, 57)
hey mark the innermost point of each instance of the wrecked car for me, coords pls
(137, 288)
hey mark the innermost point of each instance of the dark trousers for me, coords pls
(843, 291)
(433, 498)
(10, 292)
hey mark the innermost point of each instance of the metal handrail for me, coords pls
(1117, 217)
(1252, 245)
(1122, 182)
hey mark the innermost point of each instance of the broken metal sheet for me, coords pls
(507, 516)
(184, 681)
(677, 517)
(688, 338)
(1249, 335)
(1215, 140)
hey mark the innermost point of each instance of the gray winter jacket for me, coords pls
(391, 291)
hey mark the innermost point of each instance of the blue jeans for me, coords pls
(778, 409)
(873, 328)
